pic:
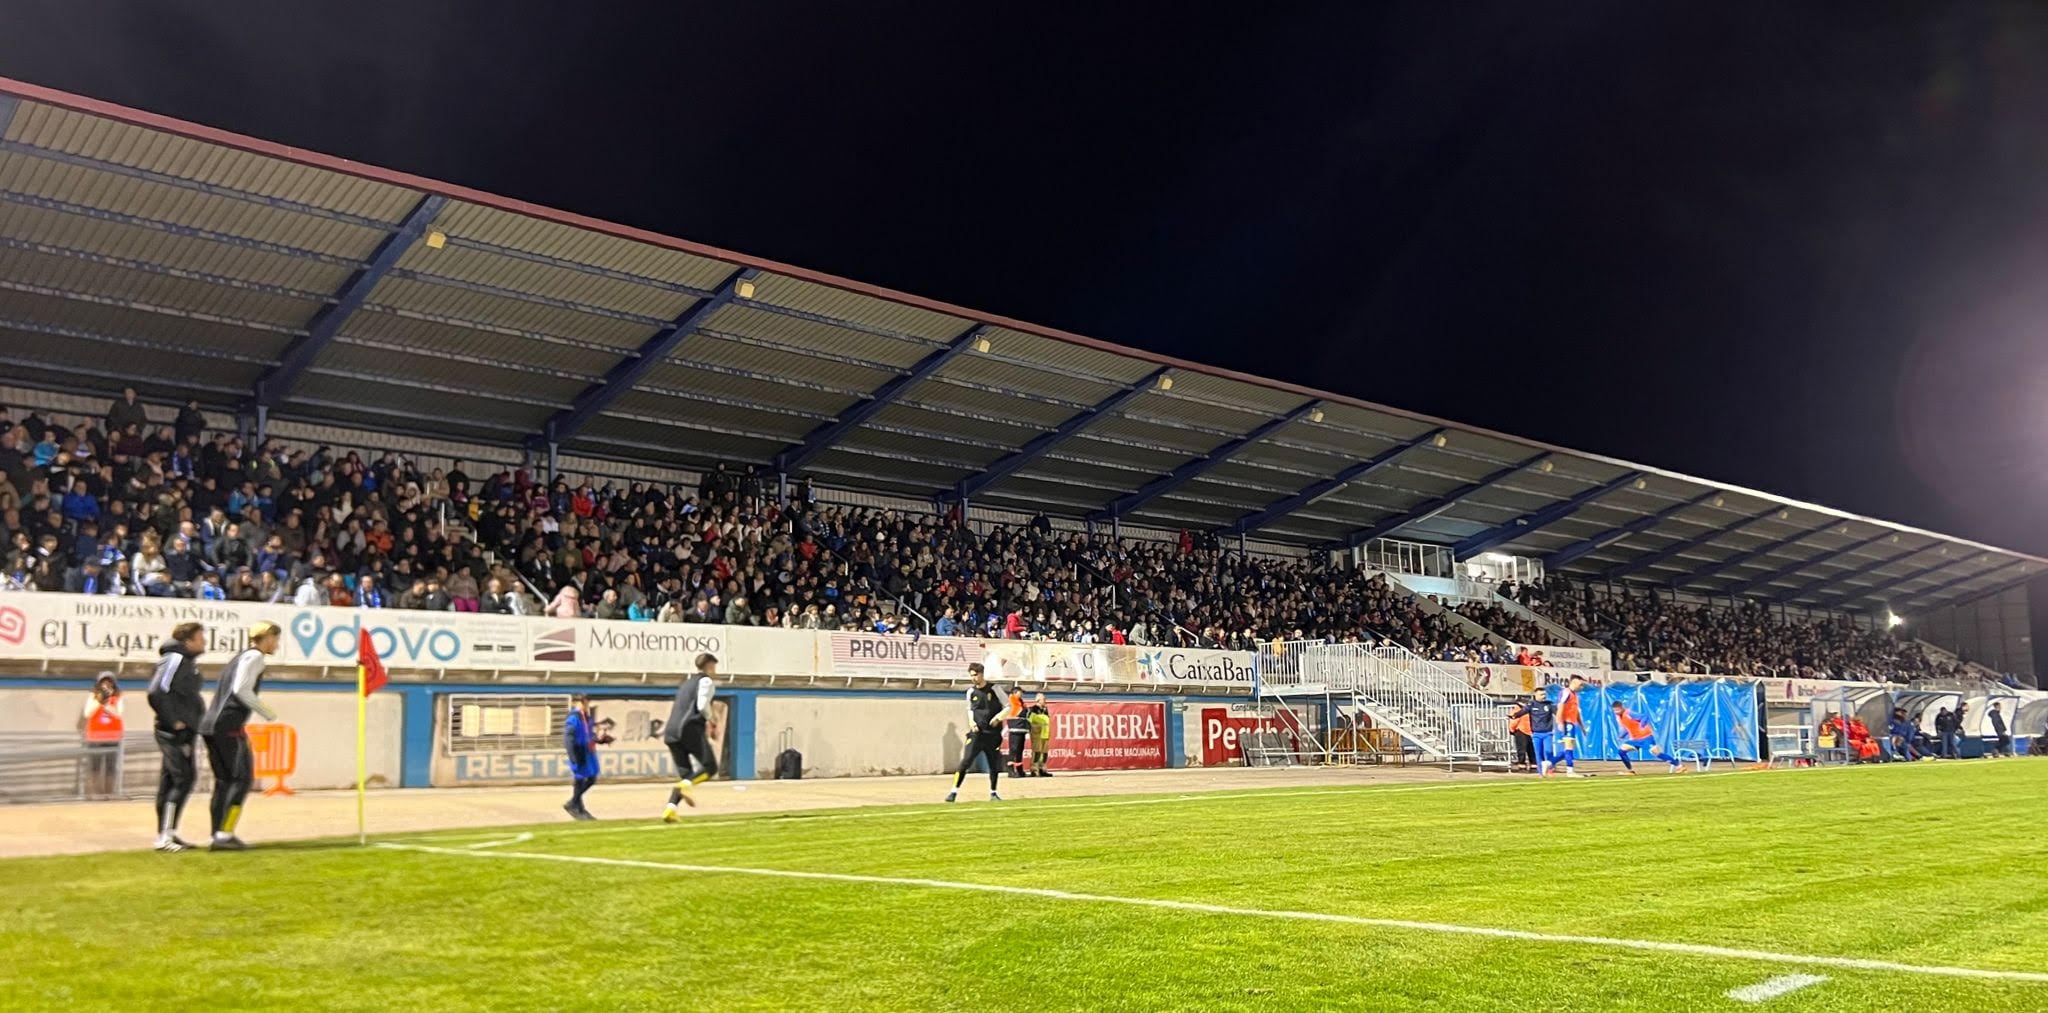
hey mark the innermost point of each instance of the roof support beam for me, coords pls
(821, 439)
(1538, 518)
(1816, 584)
(275, 386)
(1787, 571)
(1570, 553)
(1757, 553)
(1125, 505)
(1913, 596)
(1653, 558)
(1841, 596)
(972, 485)
(1272, 512)
(1430, 508)
(629, 371)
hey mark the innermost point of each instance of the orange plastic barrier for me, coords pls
(274, 752)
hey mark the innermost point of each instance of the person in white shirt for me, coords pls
(227, 741)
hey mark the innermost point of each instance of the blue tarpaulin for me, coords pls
(1713, 718)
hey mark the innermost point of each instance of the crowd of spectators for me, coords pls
(128, 506)
(131, 506)
(1651, 632)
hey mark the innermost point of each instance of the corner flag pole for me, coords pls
(362, 748)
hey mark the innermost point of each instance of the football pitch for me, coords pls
(1901, 887)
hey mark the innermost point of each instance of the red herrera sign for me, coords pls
(1087, 735)
(1225, 728)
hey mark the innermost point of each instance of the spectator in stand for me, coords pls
(1653, 633)
(126, 411)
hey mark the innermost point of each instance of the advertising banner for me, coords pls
(110, 630)
(896, 656)
(1175, 664)
(1224, 729)
(1520, 680)
(1090, 735)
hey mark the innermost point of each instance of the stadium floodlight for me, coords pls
(1894, 619)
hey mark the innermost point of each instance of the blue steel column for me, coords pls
(1535, 519)
(794, 457)
(1199, 466)
(1274, 511)
(652, 352)
(276, 384)
(1045, 443)
(1430, 508)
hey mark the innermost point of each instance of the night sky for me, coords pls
(1797, 246)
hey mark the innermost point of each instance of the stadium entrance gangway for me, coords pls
(1429, 704)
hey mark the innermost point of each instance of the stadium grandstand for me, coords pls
(442, 490)
(649, 397)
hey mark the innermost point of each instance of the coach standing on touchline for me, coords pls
(984, 732)
(174, 694)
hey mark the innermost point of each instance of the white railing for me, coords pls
(1428, 703)
(1563, 636)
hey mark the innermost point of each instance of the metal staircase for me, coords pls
(1429, 704)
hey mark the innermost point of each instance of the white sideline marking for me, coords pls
(1764, 991)
(894, 810)
(1655, 946)
(520, 838)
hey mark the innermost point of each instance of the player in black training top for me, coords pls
(174, 694)
(985, 711)
(687, 735)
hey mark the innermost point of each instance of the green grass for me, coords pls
(1933, 864)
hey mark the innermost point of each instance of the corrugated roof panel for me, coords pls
(108, 141)
(1337, 416)
(463, 375)
(1061, 357)
(741, 319)
(1127, 457)
(778, 290)
(1117, 427)
(1010, 435)
(1242, 398)
(92, 278)
(885, 445)
(688, 444)
(562, 242)
(163, 203)
(1035, 496)
(914, 473)
(986, 371)
(656, 408)
(742, 391)
(951, 395)
(468, 263)
(838, 376)
(56, 228)
(172, 366)
(490, 309)
(382, 326)
(126, 323)
(426, 405)
(1237, 469)
(1114, 481)
(1321, 464)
